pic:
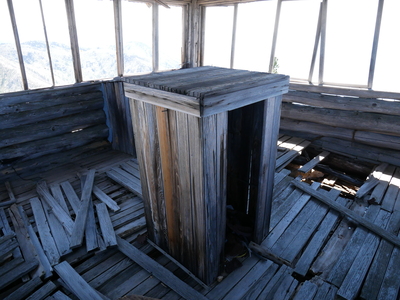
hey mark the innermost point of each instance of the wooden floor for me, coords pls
(325, 255)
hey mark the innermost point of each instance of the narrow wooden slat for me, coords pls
(306, 291)
(312, 163)
(43, 292)
(105, 198)
(76, 283)
(372, 181)
(375, 44)
(154, 268)
(58, 196)
(71, 196)
(59, 212)
(25, 289)
(91, 229)
(380, 189)
(7, 245)
(81, 217)
(18, 272)
(107, 229)
(49, 246)
(58, 296)
(391, 194)
(135, 188)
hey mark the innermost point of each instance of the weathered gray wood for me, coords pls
(266, 253)
(107, 229)
(78, 286)
(25, 289)
(345, 119)
(59, 212)
(49, 246)
(380, 189)
(391, 282)
(43, 292)
(91, 229)
(183, 103)
(116, 176)
(376, 229)
(157, 270)
(372, 180)
(58, 196)
(155, 37)
(390, 197)
(119, 37)
(7, 245)
(19, 271)
(307, 291)
(10, 265)
(272, 286)
(71, 195)
(58, 296)
(317, 241)
(105, 198)
(48, 128)
(312, 163)
(354, 278)
(81, 217)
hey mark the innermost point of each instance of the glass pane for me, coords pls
(218, 36)
(387, 76)
(170, 42)
(252, 51)
(96, 37)
(33, 44)
(295, 44)
(137, 33)
(58, 36)
(10, 74)
(349, 37)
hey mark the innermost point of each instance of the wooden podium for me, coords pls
(181, 121)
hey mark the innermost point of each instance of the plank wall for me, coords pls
(353, 123)
(36, 126)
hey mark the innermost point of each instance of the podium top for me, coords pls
(205, 91)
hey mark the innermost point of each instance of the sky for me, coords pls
(348, 44)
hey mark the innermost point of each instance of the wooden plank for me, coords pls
(105, 198)
(10, 265)
(307, 291)
(177, 102)
(261, 283)
(362, 221)
(19, 271)
(49, 246)
(391, 282)
(91, 233)
(71, 196)
(372, 180)
(25, 290)
(380, 189)
(81, 217)
(43, 292)
(58, 296)
(353, 281)
(376, 272)
(107, 229)
(7, 245)
(154, 268)
(78, 286)
(114, 175)
(390, 197)
(312, 163)
(119, 37)
(272, 286)
(59, 212)
(58, 196)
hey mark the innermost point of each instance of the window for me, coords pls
(10, 74)
(96, 37)
(137, 33)
(296, 36)
(218, 36)
(33, 44)
(349, 36)
(254, 30)
(387, 76)
(58, 36)
(170, 41)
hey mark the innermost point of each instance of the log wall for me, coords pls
(36, 126)
(354, 123)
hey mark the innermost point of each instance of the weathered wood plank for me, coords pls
(383, 233)
(107, 229)
(380, 189)
(43, 292)
(76, 283)
(71, 196)
(312, 163)
(25, 290)
(157, 270)
(21, 270)
(105, 198)
(372, 180)
(49, 246)
(392, 192)
(307, 291)
(80, 220)
(7, 245)
(135, 188)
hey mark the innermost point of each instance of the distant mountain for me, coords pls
(97, 63)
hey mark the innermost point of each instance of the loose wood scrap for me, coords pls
(105, 198)
(80, 220)
(380, 189)
(76, 284)
(157, 270)
(343, 210)
(312, 163)
(11, 196)
(372, 180)
(266, 253)
(106, 226)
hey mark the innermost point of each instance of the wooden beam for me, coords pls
(164, 275)
(18, 44)
(323, 41)
(76, 59)
(393, 239)
(119, 37)
(275, 36)
(375, 44)
(155, 38)
(233, 44)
